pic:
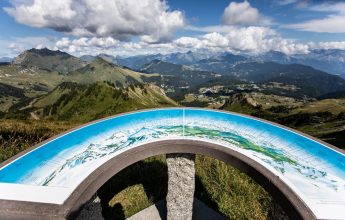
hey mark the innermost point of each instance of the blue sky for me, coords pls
(128, 27)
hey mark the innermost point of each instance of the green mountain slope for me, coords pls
(7, 90)
(35, 82)
(9, 95)
(306, 80)
(102, 70)
(241, 103)
(49, 60)
(299, 80)
(178, 80)
(81, 103)
(32, 80)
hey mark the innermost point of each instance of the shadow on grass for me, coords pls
(151, 173)
(336, 138)
(202, 194)
(117, 211)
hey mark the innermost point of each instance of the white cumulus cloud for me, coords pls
(246, 39)
(86, 44)
(328, 45)
(252, 39)
(188, 42)
(243, 14)
(14, 46)
(121, 19)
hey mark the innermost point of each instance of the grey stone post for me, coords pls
(181, 186)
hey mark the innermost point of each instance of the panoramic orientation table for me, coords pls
(55, 178)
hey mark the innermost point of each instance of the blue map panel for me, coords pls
(51, 172)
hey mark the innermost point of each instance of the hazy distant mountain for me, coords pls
(232, 58)
(88, 58)
(331, 61)
(183, 79)
(166, 68)
(49, 60)
(221, 64)
(276, 56)
(5, 59)
(187, 58)
(137, 62)
(307, 80)
(299, 80)
(186, 75)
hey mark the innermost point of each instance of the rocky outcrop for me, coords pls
(241, 98)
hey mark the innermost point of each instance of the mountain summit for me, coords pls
(49, 60)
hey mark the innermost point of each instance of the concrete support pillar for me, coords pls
(181, 186)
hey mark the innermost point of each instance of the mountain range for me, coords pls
(5, 59)
(137, 62)
(36, 73)
(192, 68)
(331, 61)
(291, 79)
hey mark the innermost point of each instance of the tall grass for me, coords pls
(16, 136)
(136, 187)
(231, 192)
(224, 188)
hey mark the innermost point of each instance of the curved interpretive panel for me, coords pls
(71, 167)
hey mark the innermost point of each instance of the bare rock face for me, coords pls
(181, 186)
(19, 60)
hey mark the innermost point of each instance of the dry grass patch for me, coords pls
(132, 199)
